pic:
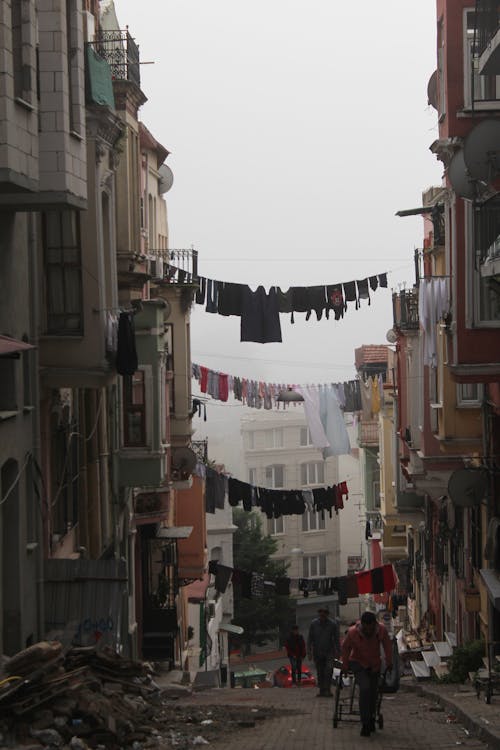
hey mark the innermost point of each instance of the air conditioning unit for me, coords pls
(156, 266)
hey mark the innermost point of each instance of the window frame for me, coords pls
(275, 526)
(58, 266)
(306, 465)
(308, 443)
(274, 438)
(308, 525)
(471, 100)
(272, 483)
(130, 407)
(318, 562)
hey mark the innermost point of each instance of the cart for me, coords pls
(346, 699)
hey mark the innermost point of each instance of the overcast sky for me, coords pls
(296, 132)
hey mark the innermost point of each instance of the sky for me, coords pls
(296, 132)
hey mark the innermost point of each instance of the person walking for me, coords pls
(323, 646)
(295, 650)
(361, 654)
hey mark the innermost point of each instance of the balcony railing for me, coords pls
(200, 448)
(174, 266)
(368, 432)
(487, 22)
(405, 310)
(121, 53)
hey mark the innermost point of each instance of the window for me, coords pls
(252, 477)
(275, 526)
(20, 12)
(469, 395)
(63, 272)
(275, 476)
(305, 436)
(274, 438)
(314, 566)
(312, 521)
(484, 259)
(376, 495)
(312, 473)
(8, 398)
(482, 92)
(134, 410)
(251, 441)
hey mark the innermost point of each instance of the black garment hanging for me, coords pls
(229, 302)
(126, 354)
(316, 300)
(382, 279)
(335, 300)
(373, 282)
(350, 293)
(260, 320)
(363, 292)
(212, 296)
(200, 292)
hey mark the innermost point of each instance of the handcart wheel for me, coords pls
(380, 721)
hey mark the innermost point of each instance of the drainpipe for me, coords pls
(35, 416)
(104, 468)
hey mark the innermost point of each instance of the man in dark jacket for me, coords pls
(295, 650)
(323, 645)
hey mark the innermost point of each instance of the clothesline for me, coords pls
(273, 502)
(260, 310)
(380, 580)
(258, 394)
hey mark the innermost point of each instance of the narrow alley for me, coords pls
(411, 722)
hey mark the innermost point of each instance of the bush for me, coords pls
(465, 659)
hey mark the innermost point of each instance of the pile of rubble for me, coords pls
(86, 697)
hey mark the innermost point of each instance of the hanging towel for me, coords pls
(313, 417)
(333, 423)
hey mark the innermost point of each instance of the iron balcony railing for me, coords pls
(405, 310)
(174, 266)
(121, 53)
(487, 22)
(200, 448)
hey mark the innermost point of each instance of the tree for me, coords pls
(260, 617)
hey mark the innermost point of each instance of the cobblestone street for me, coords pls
(411, 722)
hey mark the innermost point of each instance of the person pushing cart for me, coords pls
(361, 655)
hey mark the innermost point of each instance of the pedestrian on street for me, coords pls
(323, 645)
(295, 650)
(361, 654)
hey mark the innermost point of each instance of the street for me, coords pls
(411, 722)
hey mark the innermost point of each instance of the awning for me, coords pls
(197, 590)
(492, 583)
(174, 532)
(236, 629)
(12, 346)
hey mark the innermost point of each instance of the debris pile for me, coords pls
(87, 697)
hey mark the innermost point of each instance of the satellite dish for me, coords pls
(391, 336)
(432, 90)
(459, 177)
(467, 487)
(183, 463)
(166, 179)
(482, 151)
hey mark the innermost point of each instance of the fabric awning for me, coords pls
(492, 583)
(12, 346)
(197, 590)
(174, 532)
(236, 629)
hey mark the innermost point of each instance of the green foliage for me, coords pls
(252, 550)
(465, 659)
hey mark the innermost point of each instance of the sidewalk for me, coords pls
(462, 704)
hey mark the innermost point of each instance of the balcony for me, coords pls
(487, 37)
(405, 310)
(179, 267)
(368, 433)
(121, 53)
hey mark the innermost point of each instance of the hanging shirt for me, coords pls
(313, 418)
(260, 320)
(333, 423)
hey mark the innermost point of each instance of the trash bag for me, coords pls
(391, 678)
